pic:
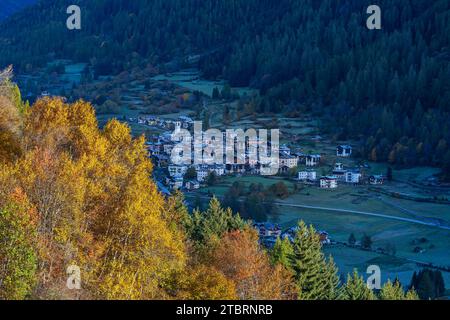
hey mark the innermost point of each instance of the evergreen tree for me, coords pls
(208, 227)
(356, 288)
(190, 174)
(425, 286)
(428, 284)
(309, 265)
(281, 253)
(352, 239)
(333, 290)
(366, 242)
(392, 291)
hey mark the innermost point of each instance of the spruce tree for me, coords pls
(392, 291)
(281, 253)
(308, 265)
(333, 290)
(411, 295)
(356, 288)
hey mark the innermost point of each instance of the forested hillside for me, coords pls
(9, 7)
(388, 88)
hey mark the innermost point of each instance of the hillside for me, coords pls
(9, 7)
(388, 88)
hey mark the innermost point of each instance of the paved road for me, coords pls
(362, 213)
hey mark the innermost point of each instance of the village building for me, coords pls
(290, 234)
(202, 174)
(312, 160)
(328, 182)
(324, 237)
(175, 183)
(301, 157)
(286, 160)
(353, 176)
(192, 185)
(177, 170)
(268, 230)
(219, 169)
(185, 122)
(339, 172)
(235, 168)
(285, 149)
(344, 151)
(161, 160)
(307, 175)
(376, 179)
(154, 148)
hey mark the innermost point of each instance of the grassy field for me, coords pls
(401, 235)
(189, 79)
(349, 259)
(346, 197)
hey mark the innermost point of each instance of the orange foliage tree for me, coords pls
(241, 259)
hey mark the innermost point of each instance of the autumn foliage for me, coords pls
(240, 258)
(97, 207)
(74, 194)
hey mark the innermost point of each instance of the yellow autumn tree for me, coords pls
(10, 123)
(97, 205)
(200, 282)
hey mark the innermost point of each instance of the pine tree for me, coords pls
(425, 286)
(411, 295)
(209, 226)
(356, 288)
(308, 265)
(333, 290)
(352, 239)
(392, 291)
(281, 253)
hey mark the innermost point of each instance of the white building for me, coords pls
(313, 160)
(344, 151)
(175, 183)
(328, 182)
(353, 177)
(307, 175)
(202, 174)
(177, 170)
(287, 160)
(192, 185)
(218, 169)
(339, 172)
